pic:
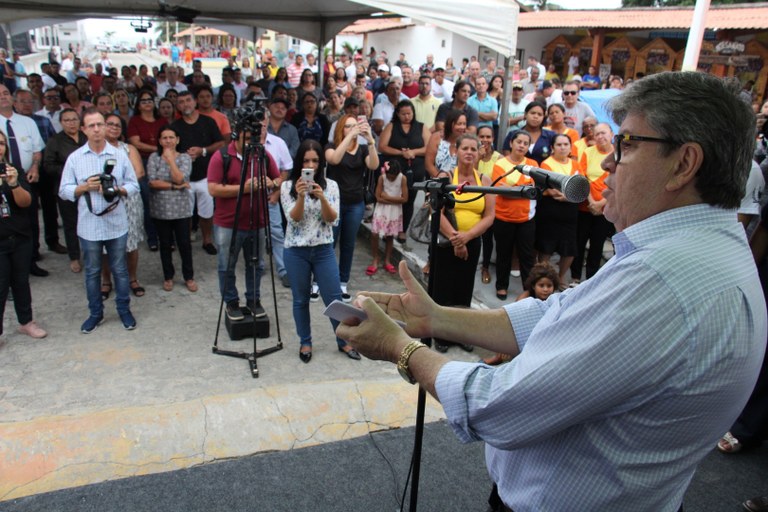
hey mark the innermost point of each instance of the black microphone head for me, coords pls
(576, 188)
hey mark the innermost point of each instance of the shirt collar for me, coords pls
(109, 149)
(671, 222)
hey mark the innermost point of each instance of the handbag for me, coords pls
(420, 226)
(419, 229)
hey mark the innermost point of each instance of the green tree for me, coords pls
(160, 29)
(350, 49)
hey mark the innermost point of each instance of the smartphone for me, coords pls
(362, 119)
(308, 175)
(348, 314)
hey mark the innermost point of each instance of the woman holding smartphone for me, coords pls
(347, 163)
(311, 204)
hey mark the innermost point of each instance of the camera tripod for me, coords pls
(254, 167)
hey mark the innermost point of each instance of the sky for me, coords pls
(123, 32)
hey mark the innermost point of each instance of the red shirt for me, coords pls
(411, 90)
(224, 214)
(146, 131)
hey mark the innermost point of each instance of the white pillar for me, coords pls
(695, 36)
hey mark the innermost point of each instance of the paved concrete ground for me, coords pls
(78, 409)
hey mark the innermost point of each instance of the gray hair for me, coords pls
(696, 107)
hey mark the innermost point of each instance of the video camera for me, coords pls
(250, 116)
(108, 183)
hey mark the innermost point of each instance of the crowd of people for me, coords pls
(164, 133)
(134, 156)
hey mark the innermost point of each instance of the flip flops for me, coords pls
(390, 268)
(371, 270)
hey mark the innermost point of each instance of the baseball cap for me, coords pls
(383, 67)
(577, 78)
(351, 102)
(517, 85)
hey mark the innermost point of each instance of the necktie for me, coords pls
(15, 155)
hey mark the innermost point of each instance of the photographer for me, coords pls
(224, 185)
(15, 244)
(90, 180)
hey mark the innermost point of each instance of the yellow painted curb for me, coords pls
(51, 453)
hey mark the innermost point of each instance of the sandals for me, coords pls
(486, 276)
(75, 266)
(168, 285)
(191, 285)
(106, 289)
(729, 444)
(390, 268)
(371, 270)
(137, 290)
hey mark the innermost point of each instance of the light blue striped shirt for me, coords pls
(626, 382)
(84, 163)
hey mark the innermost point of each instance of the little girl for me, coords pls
(542, 282)
(391, 193)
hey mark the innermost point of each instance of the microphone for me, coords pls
(575, 188)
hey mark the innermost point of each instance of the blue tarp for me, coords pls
(597, 100)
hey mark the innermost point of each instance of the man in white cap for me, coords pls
(380, 84)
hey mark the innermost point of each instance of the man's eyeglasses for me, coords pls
(570, 93)
(620, 139)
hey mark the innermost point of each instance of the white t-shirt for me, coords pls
(443, 92)
(574, 116)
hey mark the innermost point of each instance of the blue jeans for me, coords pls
(278, 237)
(253, 270)
(302, 263)
(92, 251)
(345, 234)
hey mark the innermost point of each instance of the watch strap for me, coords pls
(405, 356)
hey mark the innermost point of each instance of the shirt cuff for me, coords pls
(524, 315)
(449, 385)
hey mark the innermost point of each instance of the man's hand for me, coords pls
(414, 307)
(378, 337)
(195, 152)
(94, 184)
(33, 174)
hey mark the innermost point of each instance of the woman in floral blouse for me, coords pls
(312, 208)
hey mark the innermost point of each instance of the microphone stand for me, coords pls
(439, 195)
(253, 155)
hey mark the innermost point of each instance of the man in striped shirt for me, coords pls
(101, 223)
(620, 386)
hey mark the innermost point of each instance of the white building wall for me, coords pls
(419, 40)
(532, 42)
